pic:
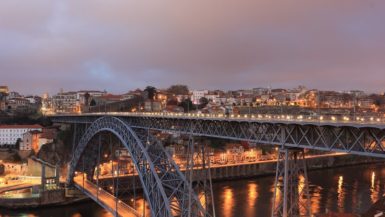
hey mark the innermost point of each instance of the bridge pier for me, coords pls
(198, 174)
(291, 194)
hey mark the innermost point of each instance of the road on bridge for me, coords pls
(104, 198)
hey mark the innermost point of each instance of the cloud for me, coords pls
(119, 45)
(99, 70)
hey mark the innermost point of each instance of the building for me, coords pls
(46, 104)
(107, 98)
(14, 94)
(73, 101)
(132, 94)
(162, 97)
(30, 141)
(64, 102)
(15, 168)
(197, 95)
(3, 97)
(212, 96)
(260, 91)
(365, 102)
(84, 96)
(14, 103)
(9, 134)
(4, 89)
(35, 139)
(152, 106)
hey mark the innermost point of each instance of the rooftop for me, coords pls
(18, 126)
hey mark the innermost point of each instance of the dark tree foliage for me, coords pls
(93, 102)
(17, 145)
(65, 137)
(178, 89)
(87, 98)
(379, 100)
(216, 143)
(44, 121)
(187, 105)
(150, 92)
(203, 102)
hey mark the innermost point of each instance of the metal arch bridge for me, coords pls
(167, 190)
(165, 183)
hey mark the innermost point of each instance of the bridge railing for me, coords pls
(354, 119)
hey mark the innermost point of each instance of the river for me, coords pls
(346, 189)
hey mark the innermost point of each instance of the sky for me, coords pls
(118, 45)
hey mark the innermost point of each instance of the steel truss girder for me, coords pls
(355, 139)
(360, 141)
(291, 193)
(198, 173)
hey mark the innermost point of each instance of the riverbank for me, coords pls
(34, 199)
(219, 174)
(268, 168)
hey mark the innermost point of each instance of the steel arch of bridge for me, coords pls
(160, 177)
(173, 180)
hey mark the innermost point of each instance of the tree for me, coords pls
(378, 100)
(216, 143)
(203, 102)
(17, 145)
(92, 103)
(178, 89)
(187, 105)
(87, 98)
(150, 92)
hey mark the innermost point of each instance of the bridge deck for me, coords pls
(365, 136)
(105, 199)
(329, 120)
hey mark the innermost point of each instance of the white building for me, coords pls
(80, 95)
(65, 102)
(197, 95)
(9, 134)
(213, 97)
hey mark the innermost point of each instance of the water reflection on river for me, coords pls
(347, 189)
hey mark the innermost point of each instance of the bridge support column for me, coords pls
(198, 174)
(57, 175)
(43, 177)
(291, 194)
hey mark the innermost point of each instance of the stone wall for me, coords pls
(46, 198)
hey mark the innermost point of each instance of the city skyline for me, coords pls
(48, 45)
(172, 108)
(190, 89)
